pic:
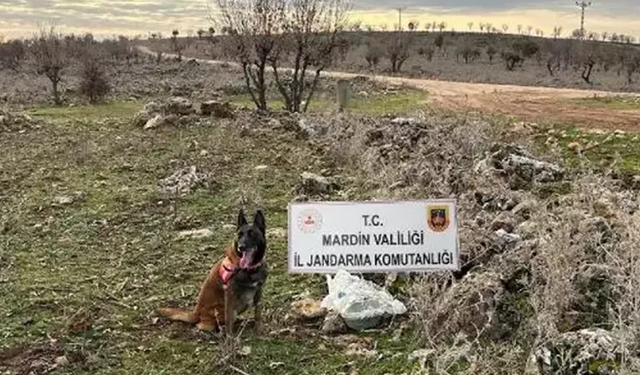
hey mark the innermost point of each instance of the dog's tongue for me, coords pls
(247, 258)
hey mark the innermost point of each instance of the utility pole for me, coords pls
(583, 5)
(400, 19)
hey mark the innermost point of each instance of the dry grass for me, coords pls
(575, 267)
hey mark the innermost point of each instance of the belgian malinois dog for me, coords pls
(234, 283)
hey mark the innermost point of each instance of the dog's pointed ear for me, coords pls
(259, 222)
(242, 220)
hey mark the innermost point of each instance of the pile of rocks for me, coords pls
(184, 180)
(16, 122)
(179, 110)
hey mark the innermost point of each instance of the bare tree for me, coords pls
(252, 27)
(519, 29)
(373, 55)
(50, 54)
(176, 45)
(557, 30)
(299, 33)
(201, 33)
(505, 27)
(488, 27)
(398, 53)
(470, 24)
(310, 40)
(442, 25)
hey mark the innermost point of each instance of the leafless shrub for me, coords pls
(491, 52)
(12, 54)
(427, 51)
(632, 65)
(468, 52)
(398, 51)
(51, 55)
(373, 55)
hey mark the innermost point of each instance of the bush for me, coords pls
(373, 55)
(94, 84)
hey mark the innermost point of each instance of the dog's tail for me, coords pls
(177, 314)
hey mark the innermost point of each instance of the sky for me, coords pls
(21, 18)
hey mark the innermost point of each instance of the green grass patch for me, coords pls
(89, 274)
(88, 112)
(619, 102)
(401, 102)
(599, 148)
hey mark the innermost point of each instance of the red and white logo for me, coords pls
(309, 221)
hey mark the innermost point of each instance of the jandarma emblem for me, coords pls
(438, 218)
(309, 221)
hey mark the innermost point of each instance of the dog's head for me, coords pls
(251, 242)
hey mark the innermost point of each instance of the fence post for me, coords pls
(344, 94)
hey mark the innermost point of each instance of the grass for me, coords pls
(118, 109)
(401, 102)
(600, 149)
(83, 279)
(616, 102)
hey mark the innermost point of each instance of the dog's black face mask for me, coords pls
(251, 242)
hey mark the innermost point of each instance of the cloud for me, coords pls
(106, 18)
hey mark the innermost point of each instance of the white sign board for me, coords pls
(369, 237)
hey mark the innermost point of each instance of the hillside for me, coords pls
(469, 57)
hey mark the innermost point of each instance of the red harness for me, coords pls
(228, 270)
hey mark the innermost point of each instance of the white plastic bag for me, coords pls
(361, 303)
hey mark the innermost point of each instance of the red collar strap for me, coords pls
(228, 270)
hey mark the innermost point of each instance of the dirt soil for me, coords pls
(536, 104)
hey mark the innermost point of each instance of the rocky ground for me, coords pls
(109, 212)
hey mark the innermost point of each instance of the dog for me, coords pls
(234, 284)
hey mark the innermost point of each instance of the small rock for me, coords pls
(229, 227)
(603, 208)
(217, 109)
(575, 147)
(61, 361)
(505, 239)
(154, 122)
(334, 324)
(141, 118)
(275, 365)
(27, 321)
(307, 129)
(527, 230)
(261, 167)
(503, 221)
(308, 310)
(245, 351)
(419, 355)
(314, 184)
(204, 153)
(180, 106)
(277, 233)
(196, 233)
(363, 94)
(356, 350)
(404, 121)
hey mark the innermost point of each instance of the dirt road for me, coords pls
(536, 104)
